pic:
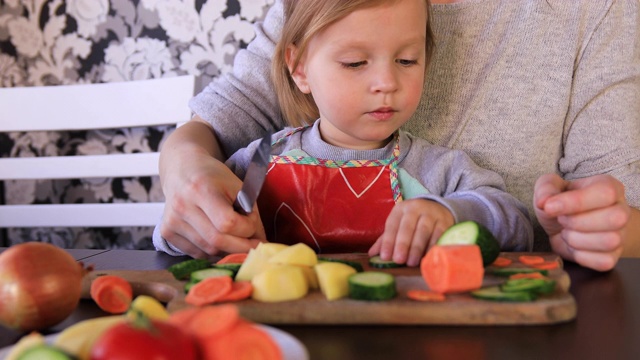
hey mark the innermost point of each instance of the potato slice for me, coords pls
(255, 263)
(298, 254)
(333, 278)
(270, 249)
(280, 283)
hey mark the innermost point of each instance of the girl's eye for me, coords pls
(406, 62)
(353, 65)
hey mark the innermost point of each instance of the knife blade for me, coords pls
(254, 177)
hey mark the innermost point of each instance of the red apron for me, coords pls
(332, 206)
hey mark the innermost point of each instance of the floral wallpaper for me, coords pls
(53, 42)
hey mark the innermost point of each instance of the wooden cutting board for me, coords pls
(459, 309)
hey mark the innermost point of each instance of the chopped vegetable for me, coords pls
(354, 264)
(501, 261)
(112, 293)
(44, 351)
(183, 269)
(372, 285)
(547, 265)
(506, 272)
(236, 258)
(425, 295)
(240, 290)
(280, 283)
(206, 322)
(531, 259)
(209, 290)
(378, 263)
(472, 233)
(149, 306)
(533, 275)
(241, 342)
(494, 293)
(453, 268)
(200, 275)
(333, 278)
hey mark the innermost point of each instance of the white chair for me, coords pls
(86, 107)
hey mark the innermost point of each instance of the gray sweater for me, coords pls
(425, 171)
(525, 87)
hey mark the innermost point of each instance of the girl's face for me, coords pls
(366, 72)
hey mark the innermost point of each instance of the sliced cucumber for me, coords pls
(506, 272)
(377, 262)
(183, 269)
(538, 286)
(200, 275)
(372, 285)
(494, 293)
(472, 233)
(189, 285)
(40, 352)
(354, 264)
(234, 267)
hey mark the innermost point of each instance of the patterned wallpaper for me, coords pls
(52, 42)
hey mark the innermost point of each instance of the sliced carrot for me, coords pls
(245, 341)
(183, 317)
(501, 261)
(425, 295)
(547, 265)
(235, 258)
(453, 268)
(240, 290)
(209, 290)
(533, 275)
(112, 293)
(213, 321)
(531, 259)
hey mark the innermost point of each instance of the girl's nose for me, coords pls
(384, 79)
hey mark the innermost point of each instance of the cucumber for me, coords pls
(183, 269)
(354, 264)
(494, 293)
(506, 272)
(40, 352)
(378, 263)
(200, 275)
(538, 286)
(234, 267)
(188, 286)
(372, 285)
(472, 233)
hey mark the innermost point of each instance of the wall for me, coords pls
(87, 41)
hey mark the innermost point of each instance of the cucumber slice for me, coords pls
(354, 264)
(40, 352)
(188, 286)
(372, 285)
(494, 293)
(538, 286)
(472, 233)
(506, 272)
(183, 269)
(200, 275)
(377, 262)
(234, 267)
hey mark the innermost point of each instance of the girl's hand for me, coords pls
(411, 228)
(586, 219)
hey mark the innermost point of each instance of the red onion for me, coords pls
(40, 285)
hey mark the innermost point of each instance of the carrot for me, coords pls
(209, 290)
(547, 265)
(112, 293)
(501, 261)
(533, 275)
(531, 259)
(244, 341)
(240, 290)
(236, 258)
(452, 268)
(425, 295)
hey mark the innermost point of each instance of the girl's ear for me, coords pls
(298, 74)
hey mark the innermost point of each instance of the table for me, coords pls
(607, 325)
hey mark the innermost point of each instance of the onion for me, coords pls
(40, 285)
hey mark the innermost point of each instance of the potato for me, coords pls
(333, 278)
(280, 283)
(298, 254)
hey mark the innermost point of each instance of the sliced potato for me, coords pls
(298, 254)
(333, 278)
(280, 283)
(270, 249)
(255, 263)
(78, 339)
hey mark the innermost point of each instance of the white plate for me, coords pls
(292, 348)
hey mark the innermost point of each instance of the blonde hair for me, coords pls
(303, 20)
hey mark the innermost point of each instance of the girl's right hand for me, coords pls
(199, 192)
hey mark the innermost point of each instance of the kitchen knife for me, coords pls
(254, 177)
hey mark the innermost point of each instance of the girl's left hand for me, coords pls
(411, 228)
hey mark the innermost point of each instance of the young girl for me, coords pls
(351, 73)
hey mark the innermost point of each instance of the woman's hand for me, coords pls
(587, 220)
(199, 190)
(411, 228)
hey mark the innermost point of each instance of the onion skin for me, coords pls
(40, 285)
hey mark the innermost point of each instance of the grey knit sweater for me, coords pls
(525, 87)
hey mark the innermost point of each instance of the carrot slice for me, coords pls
(533, 275)
(453, 268)
(243, 342)
(425, 295)
(112, 293)
(531, 259)
(501, 261)
(209, 290)
(183, 317)
(235, 258)
(547, 265)
(240, 290)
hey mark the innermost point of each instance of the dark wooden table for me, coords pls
(607, 325)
